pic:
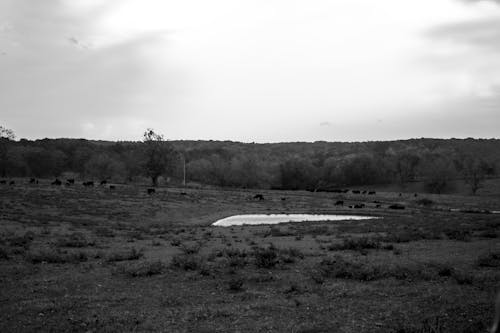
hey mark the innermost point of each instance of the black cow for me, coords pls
(151, 191)
(104, 182)
(396, 206)
(258, 196)
(70, 181)
(88, 184)
(12, 182)
(378, 206)
(339, 203)
(3, 182)
(33, 181)
(355, 192)
(415, 195)
(359, 206)
(372, 192)
(112, 187)
(283, 198)
(364, 192)
(57, 182)
(400, 194)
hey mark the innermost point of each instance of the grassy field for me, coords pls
(97, 260)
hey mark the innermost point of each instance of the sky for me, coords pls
(251, 71)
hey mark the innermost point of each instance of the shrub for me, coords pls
(236, 284)
(489, 260)
(131, 254)
(175, 242)
(187, 262)
(355, 244)
(266, 257)
(191, 248)
(55, 257)
(76, 239)
(104, 232)
(4, 255)
(143, 269)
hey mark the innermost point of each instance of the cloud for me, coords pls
(481, 33)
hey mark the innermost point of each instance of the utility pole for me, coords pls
(184, 170)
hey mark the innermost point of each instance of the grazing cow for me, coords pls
(345, 191)
(104, 182)
(3, 182)
(32, 181)
(112, 187)
(350, 206)
(183, 193)
(359, 206)
(12, 182)
(258, 196)
(415, 195)
(57, 182)
(372, 192)
(89, 183)
(70, 181)
(378, 206)
(339, 203)
(283, 198)
(151, 191)
(355, 192)
(400, 194)
(397, 206)
(364, 192)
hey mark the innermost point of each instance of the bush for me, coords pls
(236, 284)
(187, 262)
(76, 239)
(425, 202)
(355, 244)
(489, 260)
(131, 254)
(4, 255)
(55, 257)
(191, 248)
(143, 269)
(266, 257)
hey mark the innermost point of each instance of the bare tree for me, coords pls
(6, 135)
(158, 155)
(474, 172)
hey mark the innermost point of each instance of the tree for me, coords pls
(104, 167)
(6, 135)
(474, 172)
(158, 154)
(406, 166)
(438, 172)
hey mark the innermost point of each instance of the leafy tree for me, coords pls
(158, 155)
(6, 135)
(104, 167)
(438, 173)
(406, 166)
(43, 162)
(298, 174)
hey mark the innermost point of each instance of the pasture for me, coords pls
(97, 259)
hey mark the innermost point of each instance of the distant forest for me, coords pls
(316, 166)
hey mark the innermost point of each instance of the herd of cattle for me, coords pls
(151, 191)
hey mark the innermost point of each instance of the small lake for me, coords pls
(255, 219)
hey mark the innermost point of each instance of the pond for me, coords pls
(255, 219)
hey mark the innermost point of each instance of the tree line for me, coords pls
(314, 166)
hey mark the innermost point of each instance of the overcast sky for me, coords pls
(259, 70)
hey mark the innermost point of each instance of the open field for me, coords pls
(96, 259)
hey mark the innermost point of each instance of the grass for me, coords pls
(75, 259)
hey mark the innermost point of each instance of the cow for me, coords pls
(355, 192)
(258, 196)
(396, 206)
(57, 182)
(70, 181)
(364, 192)
(112, 187)
(339, 203)
(3, 182)
(283, 198)
(183, 193)
(378, 206)
(415, 195)
(33, 181)
(400, 194)
(359, 206)
(372, 193)
(12, 182)
(89, 183)
(151, 191)
(104, 182)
